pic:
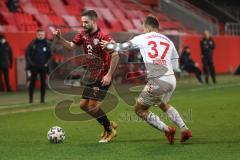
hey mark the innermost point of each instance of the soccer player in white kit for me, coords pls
(160, 58)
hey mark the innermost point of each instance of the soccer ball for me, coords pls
(56, 135)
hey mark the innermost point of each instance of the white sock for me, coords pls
(155, 121)
(176, 118)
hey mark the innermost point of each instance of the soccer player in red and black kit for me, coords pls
(92, 95)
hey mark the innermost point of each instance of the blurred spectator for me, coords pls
(38, 56)
(6, 61)
(134, 56)
(12, 5)
(207, 46)
(187, 64)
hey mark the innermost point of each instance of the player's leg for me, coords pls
(142, 111)
(1, 83)
(151, 95)
(109, 127)
(6, 78)
(197, 73)
(205, 69)
(43, 73)
(92, 107)
(33, 77)
(167, 87)
(95, 94)
(212, 70)
(174, 115)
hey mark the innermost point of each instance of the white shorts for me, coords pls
(158, 90)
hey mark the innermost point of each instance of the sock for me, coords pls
(105, 123)
(155, 121)
(103, 120)
(176, 118)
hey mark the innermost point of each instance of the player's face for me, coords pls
(206, 34)
(87, 23)
(40, 35)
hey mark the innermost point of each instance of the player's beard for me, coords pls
(88, 29)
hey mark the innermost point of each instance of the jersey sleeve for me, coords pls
(78, 39)
(107, 38)
(136, 42)
(175, 59)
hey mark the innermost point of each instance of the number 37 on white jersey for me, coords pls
(157, 49)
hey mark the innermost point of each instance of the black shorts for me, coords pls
(95, 91)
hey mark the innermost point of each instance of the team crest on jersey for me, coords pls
(95, 91)
(95, 41)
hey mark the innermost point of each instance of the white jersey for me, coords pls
(159, 53)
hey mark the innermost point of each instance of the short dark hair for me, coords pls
(92, 14)
(151, 21)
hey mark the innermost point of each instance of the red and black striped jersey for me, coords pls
(92, 46)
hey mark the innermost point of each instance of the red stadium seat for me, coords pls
(43, 8)
(58, 7)
(3, 7)
(73, 10)
(127, 25)
(57, 20)
(137, 24)
(98, 3)
(71, 21)
(9, 18)
(43, 19)
(118, 14)
(110, 4)
(2, 28)
(11, 28)
(109, 17)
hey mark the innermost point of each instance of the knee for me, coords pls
(84, 104)
(164, 107)
(140, 111)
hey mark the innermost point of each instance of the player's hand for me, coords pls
(106, 80)
(103, 44)
(57, 33)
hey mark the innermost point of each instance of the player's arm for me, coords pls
(118, 47)
(57, 35)
(175, 60)
(113, 65)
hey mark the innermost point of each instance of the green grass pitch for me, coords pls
(211, 111)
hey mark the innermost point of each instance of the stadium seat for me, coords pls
(98, 3)
(9, 18)
(27, 7)
(3, 7)
(137, 24)
(71, 21)
(2, 28)
(56, 20)
(11, 28)
(110, 4)
(43, 8)
(109, 17)
(118, 14)
(127, 25)
(43, 19)
(57, 7)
